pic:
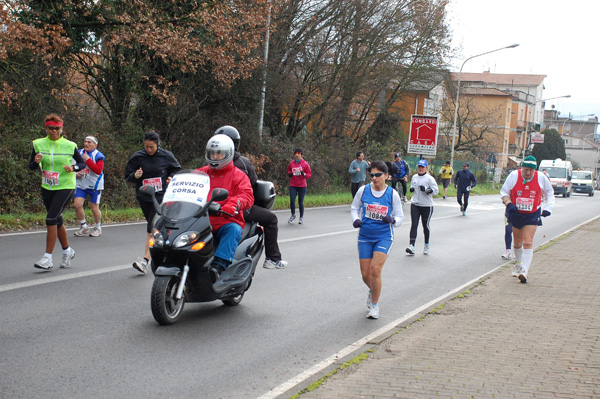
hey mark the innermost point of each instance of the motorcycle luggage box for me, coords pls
(264, 194)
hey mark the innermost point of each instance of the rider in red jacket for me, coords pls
(223, 174)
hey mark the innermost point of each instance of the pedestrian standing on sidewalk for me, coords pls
(263, 216)
(424, 187)
(446, 173)
(53, 155)
(358, 171)
(90, 182)
(152, 166)
(522, 195)
(298, 171)
(376, 210)
(464, 181)
(402, 171)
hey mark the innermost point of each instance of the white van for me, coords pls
(583, 182)
(560, 174)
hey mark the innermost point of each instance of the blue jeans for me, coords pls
(301, 191)
(228, 237)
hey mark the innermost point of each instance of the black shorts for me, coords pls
(518, 220)
(149, 212)
(55, 202)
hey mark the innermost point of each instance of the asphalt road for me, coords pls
(88, 331)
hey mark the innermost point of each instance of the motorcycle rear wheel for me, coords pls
(233, 301)
(166, 309)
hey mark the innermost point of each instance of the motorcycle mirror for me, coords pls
(147, 190)
(219, 194)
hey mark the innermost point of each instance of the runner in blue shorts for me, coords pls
(376, 210)
(90, 182)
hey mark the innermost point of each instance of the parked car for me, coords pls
(583, 182)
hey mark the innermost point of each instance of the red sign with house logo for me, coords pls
(423, 135)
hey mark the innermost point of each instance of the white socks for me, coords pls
(527, 256)
(518, 254)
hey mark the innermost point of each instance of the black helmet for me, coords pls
(233, 134)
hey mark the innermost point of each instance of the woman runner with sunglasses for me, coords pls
(376, 210)
(53, 155)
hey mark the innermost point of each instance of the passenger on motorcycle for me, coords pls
(229, 224)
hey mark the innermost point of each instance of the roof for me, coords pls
(501, 78)
(481, 91)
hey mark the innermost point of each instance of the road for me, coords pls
(88, 331)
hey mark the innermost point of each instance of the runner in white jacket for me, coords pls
(424, 187)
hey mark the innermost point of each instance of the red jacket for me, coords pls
(237, 183)
(296, 170)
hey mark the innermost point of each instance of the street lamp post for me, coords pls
(458, 95)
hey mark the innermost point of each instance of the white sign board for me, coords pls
(188, 187)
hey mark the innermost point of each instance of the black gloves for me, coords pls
(357, 223)
(429, 191)
(412, 189)
(389, 219)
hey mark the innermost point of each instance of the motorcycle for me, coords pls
(182, 246)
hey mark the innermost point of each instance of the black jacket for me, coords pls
(162, 164)
(243, 163)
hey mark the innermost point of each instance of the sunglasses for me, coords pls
(378, 174)
(53, 127)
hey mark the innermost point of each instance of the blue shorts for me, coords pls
(518, 220)
(94, 194)
(366, 248)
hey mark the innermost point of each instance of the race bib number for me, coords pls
(297, 171)
(85, 172)
(524, 204)
(188, 187)
(376, 212)
(50, 178)
(154, 181)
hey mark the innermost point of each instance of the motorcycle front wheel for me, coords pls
(166, 309)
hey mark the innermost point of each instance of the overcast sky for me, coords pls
(556, 38)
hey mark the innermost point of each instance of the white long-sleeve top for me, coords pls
(356, 207)
(544, 182)
(421, 198)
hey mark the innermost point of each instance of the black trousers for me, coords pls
(459, 198)
(424, 213)
(55, 202)
(268, 220)
(355, 186)
(395, 183)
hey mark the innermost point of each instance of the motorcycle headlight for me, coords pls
(186, 238)
(156, 239)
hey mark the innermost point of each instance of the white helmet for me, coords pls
(219, 151)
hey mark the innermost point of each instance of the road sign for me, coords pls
(537, 138)
(423, 135)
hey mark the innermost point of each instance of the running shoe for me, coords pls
(369, 300)
(517, 270)
(426, 250)
(464, 213)
(271, 264)
(83, 231)
(462, 208)
(301, 220)
(410, 250)
(67, 258)
(444, 197)
(96, 232)
(44, 263)
(373, 312)
(507, 254)
(141, 265)
(292, 218)
(523, 277)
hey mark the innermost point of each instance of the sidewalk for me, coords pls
(504, 339)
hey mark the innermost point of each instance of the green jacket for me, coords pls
(55, 155)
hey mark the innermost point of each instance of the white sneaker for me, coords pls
(301, 221)
(66, 258)
(517, 270)
(426, 250)
(410, 250)
(96, 232)
(523, 277)
(271, 264)
(292, 218)
(140, 265)
(44, 263)
(373, 312)
(83, 231)
(369, 300)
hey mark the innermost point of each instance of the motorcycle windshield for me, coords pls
(186, 193)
